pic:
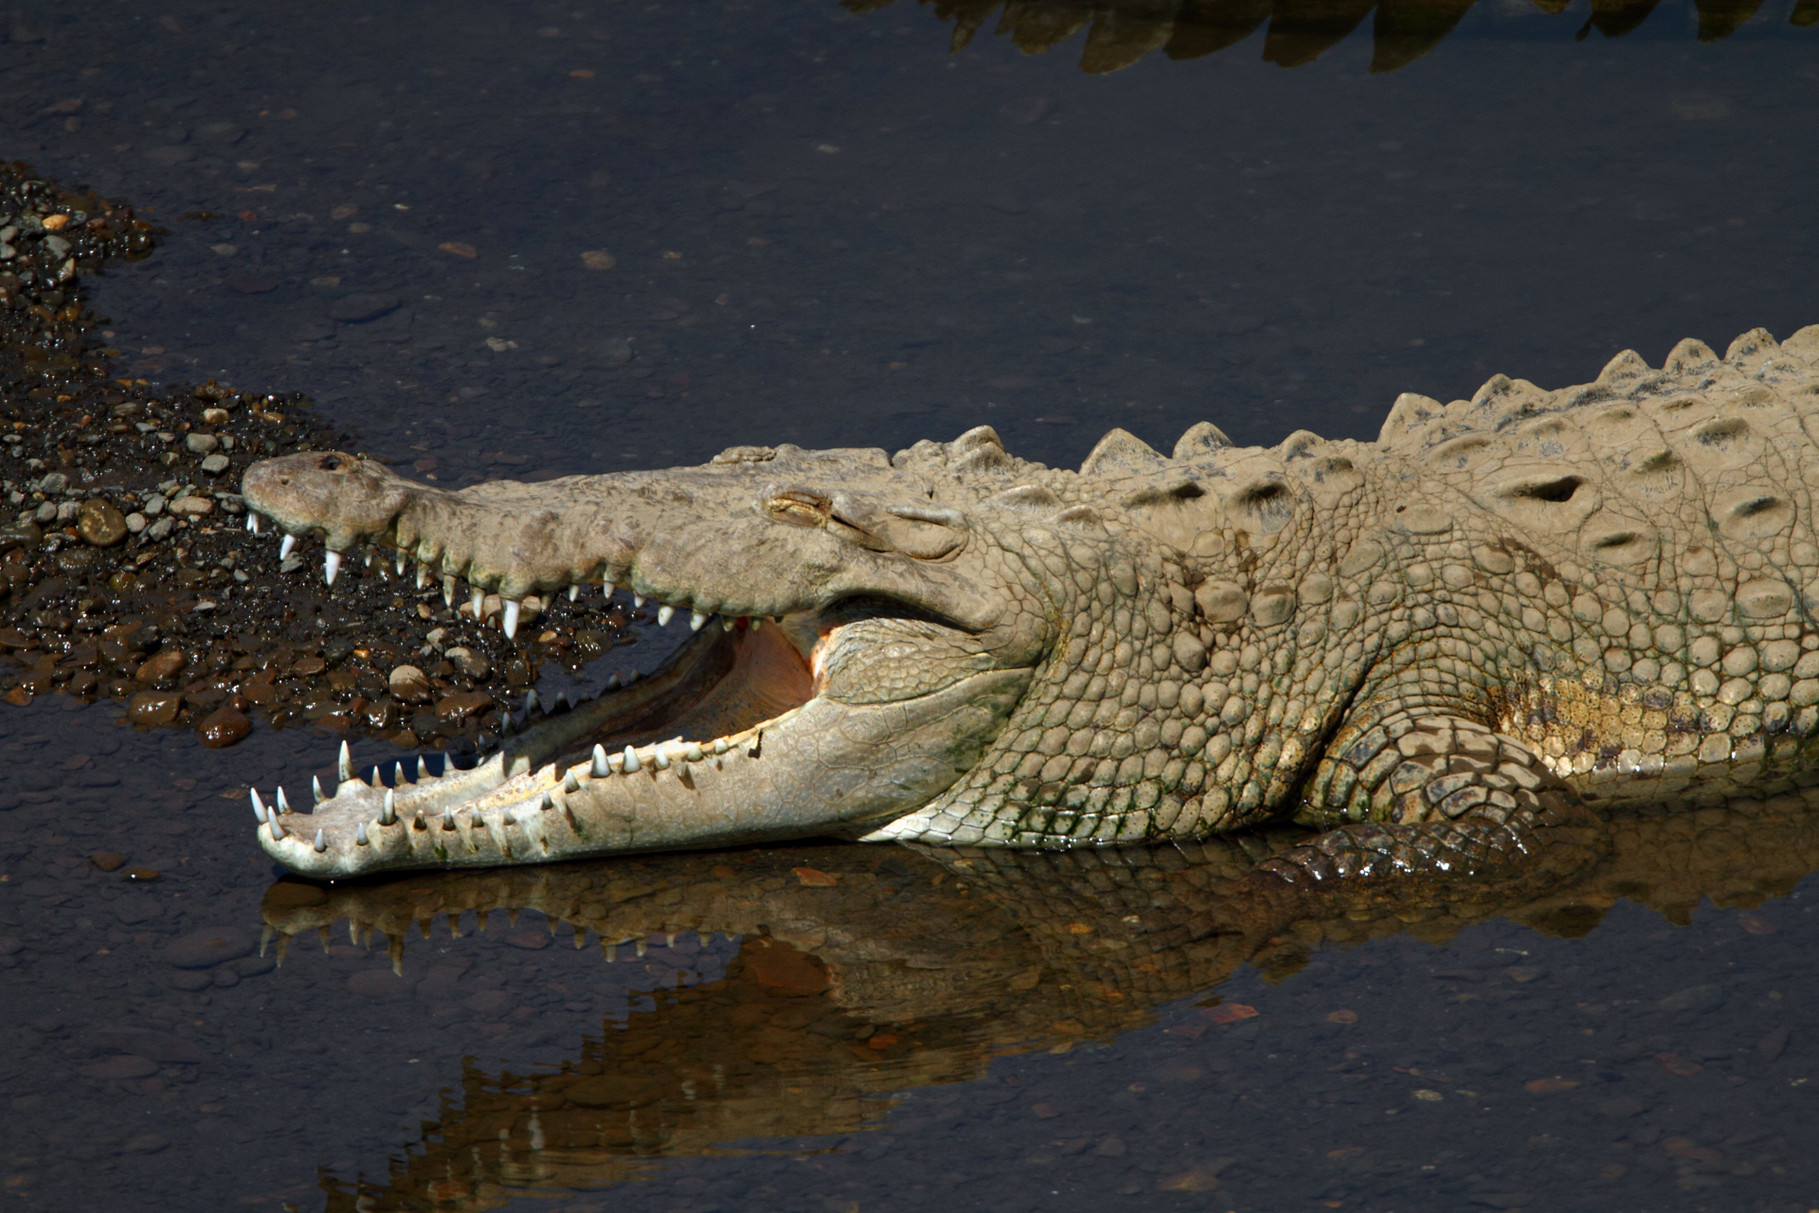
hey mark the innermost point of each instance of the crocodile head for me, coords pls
(865, 626)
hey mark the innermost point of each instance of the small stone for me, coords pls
(135, 522)
(208, 947)
(214, 465)
(53, 482)
(145, 874)
(46, 514)
(67, 511)
(100, 524)
(360, 308)
(462, 704)
(192, 506)
(598, 259)
(1696, 999)
(409, 684)
(224, 727)
(468, 662)
(57, 246)
(108, 861)
(214, 415)
(200, 443)
(154, 505)
(153, 709)
(161, 529)
(161, 665)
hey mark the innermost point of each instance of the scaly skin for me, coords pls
(1441, 645)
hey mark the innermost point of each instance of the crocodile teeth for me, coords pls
(509, 621)
(659, 759)
(574, 592)
(423, 767)
(331, 564)
(389, 813)
(258, 804)
(398, 774)
(360, 834)
(315, 789)
(600, 770)
(727, 623)
(637, 600)
(694, 752)
(283, 802)
(532, 703)
(478, 599)
(422, 576)
(695, 620)
(285, 546)
(572, 783)
(321, 842)
(631, 760)
(344, 765)
(448, 590)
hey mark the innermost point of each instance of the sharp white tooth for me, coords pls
(398, 774)
(610, 951)
(695, 620)
(669, 939)
(720, 746)
(659, 759)
(400, 562)
(478, 599)
(254, 523)
(331, 564)
(276, 827)
(607, 587)
(283, 802)
(507, 726)
(448, 590)
(532, 703)
(510, 620)
(258, 804)
(574, 593)
(321, 842)
(641, 946)
(665, 613)
(315, 789)
(727, 622)
(344, 765)
(693, 753)
(369, 560)
(389, 813)
(376, 780)
(422, 575)
(631, 759)
(249, 521)
(547, 803)
(422, 768)
(420, 824)
(448, 818)
(285, 546)
(637, 600)
(561, 704)
(600, 770)
(572, 783)
(612, 682)
(360, 834)
(753, 622)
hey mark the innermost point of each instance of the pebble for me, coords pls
(408, 683)
(154, 505)
(161, 665)
(191, 507)
(224, 727)
(100, 524)
(53, 482)
(201, 444)
(214, 465)
(462, 704)
(161, 529)
(474, 665)
(135, 522)
(214, 416)
(208, 947)
(108, 861)
(1694, 998)
(152, 708)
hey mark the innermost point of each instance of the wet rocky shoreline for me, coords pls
(126, 569)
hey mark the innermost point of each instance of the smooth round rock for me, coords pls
(153, 709)
(409, 684)
(100, 524)
(208, 947)
(223, 727)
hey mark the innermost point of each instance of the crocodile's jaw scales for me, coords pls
(817, 767)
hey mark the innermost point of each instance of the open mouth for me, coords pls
(588, 777)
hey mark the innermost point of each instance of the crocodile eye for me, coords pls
(332, 462)
(799, 506)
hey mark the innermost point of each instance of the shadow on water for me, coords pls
(1120, 33)
(850, 973)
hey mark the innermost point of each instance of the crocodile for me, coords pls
(1441, 649)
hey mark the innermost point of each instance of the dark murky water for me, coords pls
(530, 240)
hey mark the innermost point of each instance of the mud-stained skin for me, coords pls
(947, 957)
(1443, 646)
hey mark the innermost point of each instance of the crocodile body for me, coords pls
(1438, 646)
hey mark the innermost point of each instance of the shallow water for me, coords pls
(823, 227)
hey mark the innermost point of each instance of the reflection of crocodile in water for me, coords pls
(1121, 32)
(895, 969)
(1436, 645)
